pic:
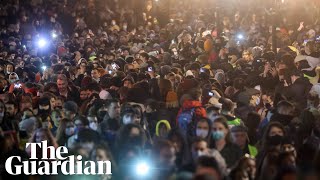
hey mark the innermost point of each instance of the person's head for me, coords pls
(57, 116)
(310, 47)
(295, 74)
(220, 129)
(203, 128)
(13, 77)
(25, 103)
(287, 159)
(9, 68)
(275, 129)
(177, 139)
(285, 108)
(248, 164)
(62, 83)
(239, 84)
(70, 109)
(165, 154)
(129, 115)
(95, 74)
(212, 113)
(162, 128)
(11, 108)
(83, 94)
(113, 108)
(144, 57)
(93, 121)
(199, 147)
(247, 55)
(131, 135)
(239, 136)
(208, 168)
(128, 82)
(228, 106)
(65, 129)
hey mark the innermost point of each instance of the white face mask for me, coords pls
(93, 126)
(126, 119)
(69, 131)
(202, 133)
(257, 101)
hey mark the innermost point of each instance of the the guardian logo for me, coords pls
(69, 165)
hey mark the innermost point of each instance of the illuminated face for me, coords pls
(62, 85)
(10, 109)
(95, 74)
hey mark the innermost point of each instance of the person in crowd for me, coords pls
(64, 131)
(239, 136)
(221, 141)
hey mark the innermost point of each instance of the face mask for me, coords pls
(202, 133)
(257, 101)
(217, 135)
(125, 28)
(126, 120)
(196, 155)
(113, 23)
(93, 126)
(69, 131)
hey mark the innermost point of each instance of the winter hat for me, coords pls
(70, 106)
(104, 95)
(172, 100)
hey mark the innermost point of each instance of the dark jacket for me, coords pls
(108, 129)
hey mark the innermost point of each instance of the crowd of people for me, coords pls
(185, 93)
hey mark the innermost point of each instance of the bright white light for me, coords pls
(54, 35)
(142, 169)
(240, 36)
(44, 68)
(42, 43)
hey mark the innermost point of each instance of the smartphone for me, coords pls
(150, 69)
(201, 70)
(211, 94)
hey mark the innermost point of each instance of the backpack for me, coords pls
(186, 121)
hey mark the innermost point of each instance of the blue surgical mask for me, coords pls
(217, 135)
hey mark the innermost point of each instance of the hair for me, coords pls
(124, 134)
(106, 149)
(60, 134)
(164, 86)
(222, 120)
(228, 105)
(203, 119)
(267, 131)
(285, 108)
(110, 101)
(145, 55)
(195, 93)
